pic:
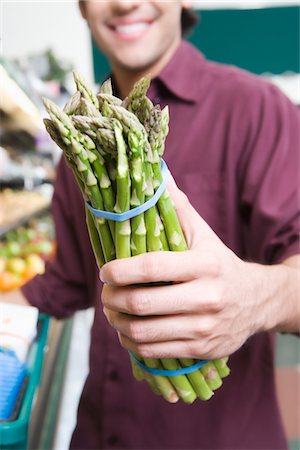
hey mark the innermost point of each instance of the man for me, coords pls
(232, 148)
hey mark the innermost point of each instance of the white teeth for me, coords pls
(132, 28)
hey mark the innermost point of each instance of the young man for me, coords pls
(232, 148)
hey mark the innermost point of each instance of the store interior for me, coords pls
(39, 63)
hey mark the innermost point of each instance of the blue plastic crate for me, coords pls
(12, 377)
(14, 433)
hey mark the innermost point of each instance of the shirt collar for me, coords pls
(182, 75)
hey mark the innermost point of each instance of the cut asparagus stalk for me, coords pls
(182, 385)
(221, 366)
(162, 383)
(197, 380)
(211, 376)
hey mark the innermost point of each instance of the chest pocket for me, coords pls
(206, 194)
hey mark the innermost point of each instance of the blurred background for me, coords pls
(41, 43)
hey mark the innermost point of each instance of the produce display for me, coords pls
(115, 149)
(23, 253)
(14, 205)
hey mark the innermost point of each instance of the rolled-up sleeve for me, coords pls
(270, 188)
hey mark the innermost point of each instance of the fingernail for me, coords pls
(101, 276)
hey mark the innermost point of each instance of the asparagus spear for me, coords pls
(106, 87)
(94, 238)
(108, 98)
(84, 90)
(133, 129)
(79, 155)
(181, 383)
(153, 225)
(90, 220)
(157, 124)
(138, 91)
(162, 383)
(211, 375)
(88, 109)
(221, 366)
(73, 105)
(123, 230)
(197, 380)
(99, 169)
(138, 236)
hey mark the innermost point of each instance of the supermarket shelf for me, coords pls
(24, 220)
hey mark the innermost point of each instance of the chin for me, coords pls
(134, 62)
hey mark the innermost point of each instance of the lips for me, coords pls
(130, 30)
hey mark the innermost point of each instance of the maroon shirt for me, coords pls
(233, 148)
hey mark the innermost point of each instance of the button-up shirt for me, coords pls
(233, 149)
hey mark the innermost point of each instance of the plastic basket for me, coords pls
(14, 434)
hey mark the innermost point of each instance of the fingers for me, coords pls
(161, 328)
(148, 268)
(171, 349)
(155, 267)
(166, 266)
(151, 329)
(199, 296)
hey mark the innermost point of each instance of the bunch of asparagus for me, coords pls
(114, 149)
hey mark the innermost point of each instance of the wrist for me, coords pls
(277, 297)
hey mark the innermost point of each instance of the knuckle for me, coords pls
(152, 268)
(207, 327)
(193, 349)
(144, 351)
(138, 303)
(215, 304)
(135, 332)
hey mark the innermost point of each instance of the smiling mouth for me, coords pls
(130, 30)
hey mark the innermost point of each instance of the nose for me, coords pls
(124, 6)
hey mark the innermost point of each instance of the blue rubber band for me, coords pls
(120, 217)
(169, 373)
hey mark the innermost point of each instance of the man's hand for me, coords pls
(213, 303)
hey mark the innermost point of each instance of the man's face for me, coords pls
(135, 34)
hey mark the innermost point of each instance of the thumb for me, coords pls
(191, 222)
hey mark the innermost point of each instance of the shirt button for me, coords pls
(113, 375)
(112, 439)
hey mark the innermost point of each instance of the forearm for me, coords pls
(279, 291)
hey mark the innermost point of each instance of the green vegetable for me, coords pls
(114, 149)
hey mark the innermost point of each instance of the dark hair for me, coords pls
(189, 20)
